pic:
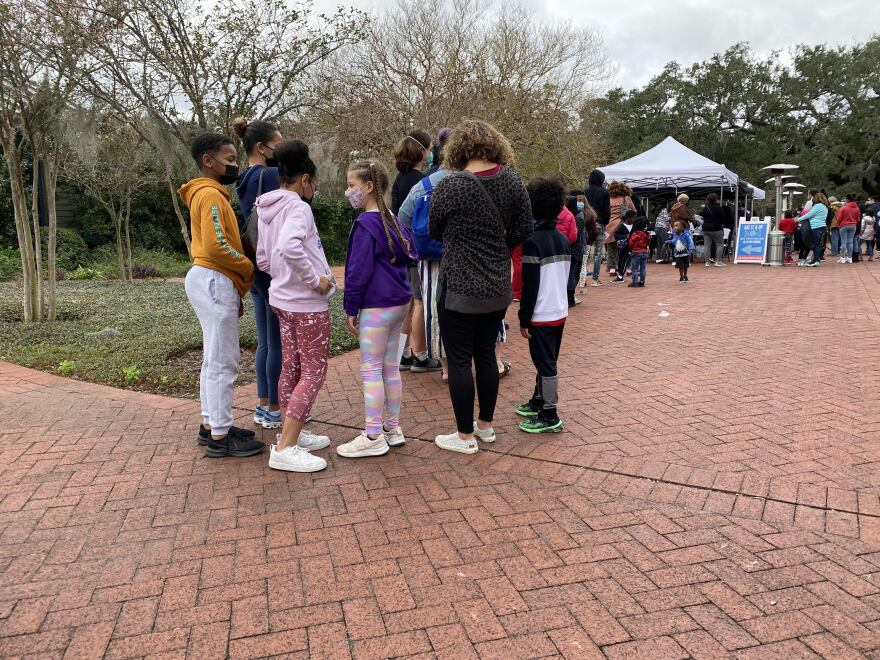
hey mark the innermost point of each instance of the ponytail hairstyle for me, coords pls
(253, 133)
(370, 171)
(294, 161)
(411, 150)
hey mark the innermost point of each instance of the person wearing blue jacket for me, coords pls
(682, 246)
(816, 216)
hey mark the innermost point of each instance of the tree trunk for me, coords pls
(38, 243)
(51, 187)
(127, 223)
(184, 230)
(120, 254)
(22, 229)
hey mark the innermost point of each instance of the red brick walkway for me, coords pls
(715, 495)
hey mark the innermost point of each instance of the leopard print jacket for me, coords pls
(475, 268)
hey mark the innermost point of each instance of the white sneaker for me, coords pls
(659, 261)
(707, 264)
(719, 264)
(849, 260)
(312, 441)
(453, 442)
(295, 459)
(395, 437)
(363, 446)
(842, 260)
(486, 435)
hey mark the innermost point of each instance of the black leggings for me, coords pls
(470, 338)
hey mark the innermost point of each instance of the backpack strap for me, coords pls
(492, 203)
(260, 181)
(426, 184)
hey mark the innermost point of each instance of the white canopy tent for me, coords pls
(670, 164)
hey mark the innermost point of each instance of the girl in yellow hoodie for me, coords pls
(220, 276)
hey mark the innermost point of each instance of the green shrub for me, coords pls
(71, 250)
(334, 218)
(66, 367)
(87, 274)
(145, 263)
(10, 263)
(132, 374)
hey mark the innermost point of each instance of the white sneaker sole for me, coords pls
(455, 448)
(395, 443)
(270, 425)
(490, 439)
(364, 453)
(316, 446)
(285, 467)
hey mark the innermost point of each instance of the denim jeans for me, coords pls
(818, 239)
(268, 356)
(639, 261)
(835, 241)
(597, 255)
(847, 235)
(869, 250)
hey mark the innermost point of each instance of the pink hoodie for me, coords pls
(289, 249)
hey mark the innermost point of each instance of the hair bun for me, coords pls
(239, 126)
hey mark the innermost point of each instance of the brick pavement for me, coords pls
(714, 495)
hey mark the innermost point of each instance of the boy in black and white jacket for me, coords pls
(544, 305)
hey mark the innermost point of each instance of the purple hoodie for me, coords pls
(371, 279)
(289, 249)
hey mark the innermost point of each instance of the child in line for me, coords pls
(221, 274)
(544, 306)
(639, 246)
(866, 238)
(377, 297)
(621, 236)
(289, 250)
(788, 226)
(682, 245)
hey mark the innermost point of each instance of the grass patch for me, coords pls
(154, 339)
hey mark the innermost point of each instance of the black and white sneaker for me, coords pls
(236, 443)
(424, 366)
(203, 436)
(406, 363)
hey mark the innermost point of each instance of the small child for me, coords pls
(639, 247)
(866, 238)
(621, 235)
(682, 245)
(788, 225)
(544, 305)
(377, 297)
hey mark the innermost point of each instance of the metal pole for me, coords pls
(778, 201)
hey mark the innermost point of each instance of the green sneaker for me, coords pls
(525, 410)
(537, 425)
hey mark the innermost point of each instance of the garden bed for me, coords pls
(152, 343)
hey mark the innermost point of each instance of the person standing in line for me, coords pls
(578, 247)
(788, 226)
(833, 227)
(289, 250)
(682, 246)
(639, 246)
(868, 233)
(713, 231)
(621, 242)
(680, 211)
(600, 201)
(662, 227)
(413, 153)
(816, 219)
(215, 284)
(544, 308)
(377, 297)
(480, 213)
(442, 137)
(592, 240)
(260, 138)
(621, 201)
(848, 218)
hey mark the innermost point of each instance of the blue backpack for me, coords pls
(428, 248)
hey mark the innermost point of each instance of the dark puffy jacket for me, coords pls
(713, 217)
(598, 197)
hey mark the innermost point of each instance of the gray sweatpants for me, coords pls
(716, 238)
(215, 300)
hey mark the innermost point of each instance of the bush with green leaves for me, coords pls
(82, 273)
(71, 250)
(66, 367)
(10, 263)
(334, 217)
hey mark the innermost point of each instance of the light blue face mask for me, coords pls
(580, 206)
(430, 160)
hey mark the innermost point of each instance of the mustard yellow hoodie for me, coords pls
(216, 243)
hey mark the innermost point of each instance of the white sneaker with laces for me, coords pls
(395, 437)
(453, 442)
(842, 260)
(486, 435)
(295, 459)
(312, 441)
(719, 264)
(849, 260)
(363, 446)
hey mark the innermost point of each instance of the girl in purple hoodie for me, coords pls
(289, 250)
(377, 297)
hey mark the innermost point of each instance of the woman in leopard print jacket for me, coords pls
(480, 212)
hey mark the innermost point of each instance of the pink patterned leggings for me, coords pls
(379, 338)
(305, 348)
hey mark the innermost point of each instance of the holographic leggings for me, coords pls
(379, 337)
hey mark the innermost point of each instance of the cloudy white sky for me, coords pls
(642, 35)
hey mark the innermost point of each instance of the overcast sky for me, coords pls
(642, 35)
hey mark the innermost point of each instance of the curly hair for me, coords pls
(371, 171)
(618, 189)
(547, 195)
(411, 150)
(473, 139)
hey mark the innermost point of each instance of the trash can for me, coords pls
(775, 248)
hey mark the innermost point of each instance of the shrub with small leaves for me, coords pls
(66, 367)
(86, 274)
(144, 271)
(132, 374)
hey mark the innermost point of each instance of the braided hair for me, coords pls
(370, 171)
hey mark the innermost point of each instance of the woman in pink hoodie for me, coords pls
(289, 249)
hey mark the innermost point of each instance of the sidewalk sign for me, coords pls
(751, 242)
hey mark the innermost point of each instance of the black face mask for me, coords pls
(230, 176)
(271, 162)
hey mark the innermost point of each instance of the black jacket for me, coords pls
(598, 197)
(713, 217)
(403, 183)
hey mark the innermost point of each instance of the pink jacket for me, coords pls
(567, 225)
(289, 249)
